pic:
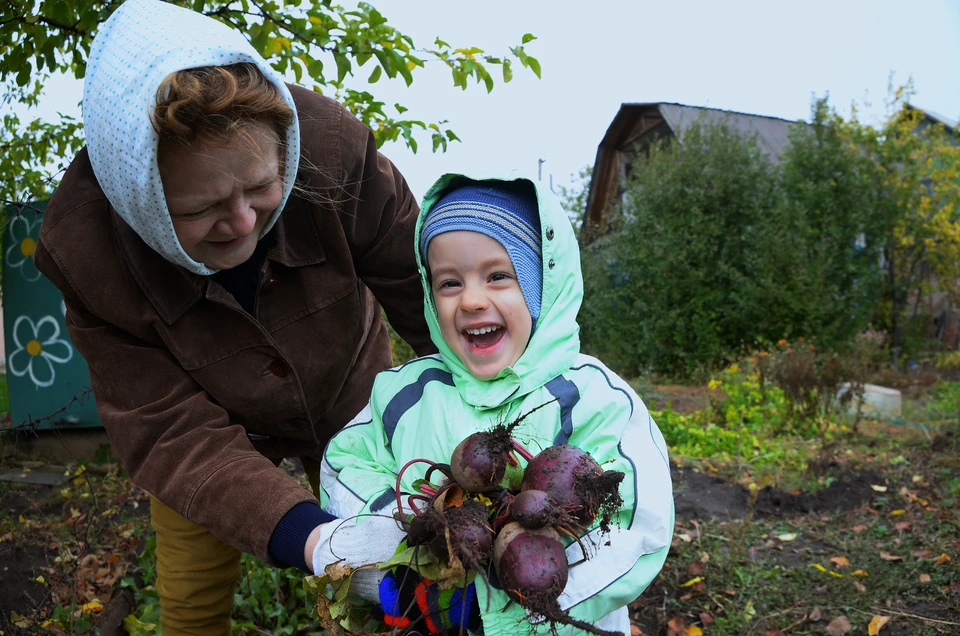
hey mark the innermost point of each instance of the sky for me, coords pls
(763, 57)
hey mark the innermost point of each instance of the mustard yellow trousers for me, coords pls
(197, 573)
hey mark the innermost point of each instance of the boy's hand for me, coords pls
(357, 542)
(409, 600)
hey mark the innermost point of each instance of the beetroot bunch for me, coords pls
(490, 510)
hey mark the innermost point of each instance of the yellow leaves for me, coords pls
(876, 624)
(897, 513)
(878, 488)
(93, 607)
(859, 573)
(692, 581)
(943, 559)
(818, 567)
(886, 556)
(924, 579)
(692, 630)
(840, 561)
(790, 536)
(19, 620)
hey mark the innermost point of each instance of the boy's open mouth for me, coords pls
(484, 337)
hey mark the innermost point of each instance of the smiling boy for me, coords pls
(501, 275)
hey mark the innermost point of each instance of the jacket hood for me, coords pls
(142, 43)
(555, 343)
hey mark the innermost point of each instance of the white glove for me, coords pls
(359, 541)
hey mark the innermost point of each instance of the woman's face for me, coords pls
(220, 197)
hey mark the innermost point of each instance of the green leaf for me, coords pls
(343, 66)
(375, 75)
(507, 71)
(133, 626)
(534, 65)
(528, 37)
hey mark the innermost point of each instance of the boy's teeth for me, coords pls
(483, 330)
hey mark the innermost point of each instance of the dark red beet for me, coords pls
(479, 462)
(531, 564)
(468, 530)
(534, 509)
(575, 482)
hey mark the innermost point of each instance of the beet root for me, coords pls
(531, 564)
(575, 482)
(479, 462)
(463, 530)
(534, 509)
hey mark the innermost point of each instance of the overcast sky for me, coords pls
(763, 57)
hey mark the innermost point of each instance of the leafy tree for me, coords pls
(314, 39)
(679, 286)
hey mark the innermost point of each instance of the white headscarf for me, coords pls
(142, 43)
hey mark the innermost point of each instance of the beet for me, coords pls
(531, 564)
(466, 528)
(479, 462)
(575, 482)
(534, 509)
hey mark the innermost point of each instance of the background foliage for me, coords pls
(318, 42)
(714, 250)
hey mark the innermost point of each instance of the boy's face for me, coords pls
(482, 313)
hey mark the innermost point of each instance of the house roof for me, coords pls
(946, 121)
(634, 120)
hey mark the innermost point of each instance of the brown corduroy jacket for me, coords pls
(199, 396)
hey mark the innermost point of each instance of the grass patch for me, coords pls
(4, 395)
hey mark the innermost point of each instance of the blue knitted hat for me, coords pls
(505, 211)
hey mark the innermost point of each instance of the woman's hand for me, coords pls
(358, 541)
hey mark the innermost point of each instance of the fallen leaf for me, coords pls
(695, 569)
(704, 557)
(860, 587)
(840, 561)
(836, 574)
(902, 526)
(773, 632)
(942, 559)
(922, 554)
(859, 573)
(635, 631)
(818, 566)
(706, 618)
(886, 556)
(924, 578)
(839, 626)
(897, 513)
(692, 630)
(876, 624)
(878, 489)
(790, 536)
(686, 538)
(815, 615)
(729, 592)
(675, 626)
(858, 529)
(692, 581)
(93, 607)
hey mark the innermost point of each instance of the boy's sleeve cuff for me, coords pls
(290, 536)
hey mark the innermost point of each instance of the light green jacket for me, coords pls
(424, 408)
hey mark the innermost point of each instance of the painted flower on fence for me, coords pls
(37, 348)
(19, 255)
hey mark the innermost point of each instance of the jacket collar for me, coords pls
(173, 290)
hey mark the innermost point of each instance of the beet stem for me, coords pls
(513, 460)
(400, 474)
(427, 489)
(523, 452)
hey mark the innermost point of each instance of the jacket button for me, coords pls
(279, 368)
(549, 233)
(270, 285)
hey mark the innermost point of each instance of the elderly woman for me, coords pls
(224, 245)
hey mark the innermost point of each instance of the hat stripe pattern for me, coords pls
(498, 217)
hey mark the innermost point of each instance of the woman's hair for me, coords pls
(212, 104)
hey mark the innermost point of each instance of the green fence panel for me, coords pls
(48, 381)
